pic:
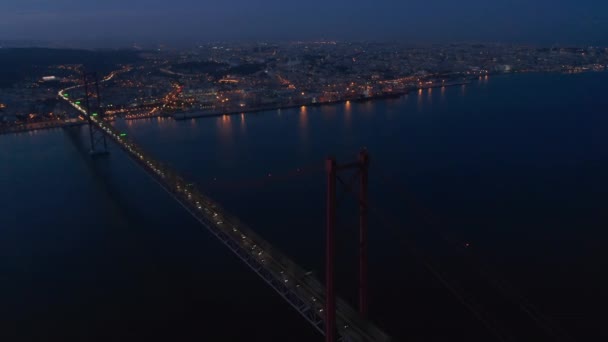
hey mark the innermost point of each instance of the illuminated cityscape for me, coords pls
(217, 79)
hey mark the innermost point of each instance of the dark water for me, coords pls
(488, 220)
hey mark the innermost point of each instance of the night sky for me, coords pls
(543, 22)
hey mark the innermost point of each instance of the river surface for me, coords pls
(488, 219)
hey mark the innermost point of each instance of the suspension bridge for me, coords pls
(316, 303)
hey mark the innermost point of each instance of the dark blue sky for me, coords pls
(546, 22)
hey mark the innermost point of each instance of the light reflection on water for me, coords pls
(348, 113)
(224, 125)
(243, 125)
(303, 123)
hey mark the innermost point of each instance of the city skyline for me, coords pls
(185, 22)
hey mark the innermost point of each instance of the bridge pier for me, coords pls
(330, 295)
(361, 168)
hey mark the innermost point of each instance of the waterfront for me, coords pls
(514, 166)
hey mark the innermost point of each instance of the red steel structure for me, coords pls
(361, 166)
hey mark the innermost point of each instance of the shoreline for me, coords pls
(195, 115)
(199, 115)
(40, 126)
(396, 95)
(463, 81)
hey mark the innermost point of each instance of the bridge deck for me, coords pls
(290, 281)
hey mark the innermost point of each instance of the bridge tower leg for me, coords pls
(99, 145)
(361, 166)
(330, 296)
